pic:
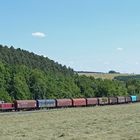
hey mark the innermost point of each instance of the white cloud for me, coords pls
(137, 63)
(120, 49)
(38, 34)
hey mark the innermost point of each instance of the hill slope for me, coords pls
(21, 57)
(25, 75)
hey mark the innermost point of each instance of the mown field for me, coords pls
(104, 75)
(118, 122)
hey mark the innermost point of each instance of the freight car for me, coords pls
(25, 104)
(103, 101)
(18, 105)
(121, 100)
(64, 103)
(127, 99)
(6, 107)
(133, 98)
(91, 101)
(138, 98)
(79, 102)
(112, 100)
(46, 103)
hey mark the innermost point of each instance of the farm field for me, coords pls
(104, 75)
(117, 122)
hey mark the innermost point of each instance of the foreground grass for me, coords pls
(119, 122)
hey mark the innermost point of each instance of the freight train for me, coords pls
(18, 105)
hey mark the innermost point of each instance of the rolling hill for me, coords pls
(25, 75)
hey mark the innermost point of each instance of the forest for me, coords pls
(25, 75)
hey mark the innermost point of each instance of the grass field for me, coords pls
(118, 122)
(104, 75)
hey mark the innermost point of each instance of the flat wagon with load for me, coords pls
(103, 101)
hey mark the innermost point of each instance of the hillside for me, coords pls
(25, 75)
(21, 57)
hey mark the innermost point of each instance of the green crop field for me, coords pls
(118, 122)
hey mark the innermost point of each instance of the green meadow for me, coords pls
(117, 122)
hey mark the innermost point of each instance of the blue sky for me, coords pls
(91, 35)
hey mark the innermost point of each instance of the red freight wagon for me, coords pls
(79, 102)
(92, 101)
(25, 104)
(6, 106)
(64, 102)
